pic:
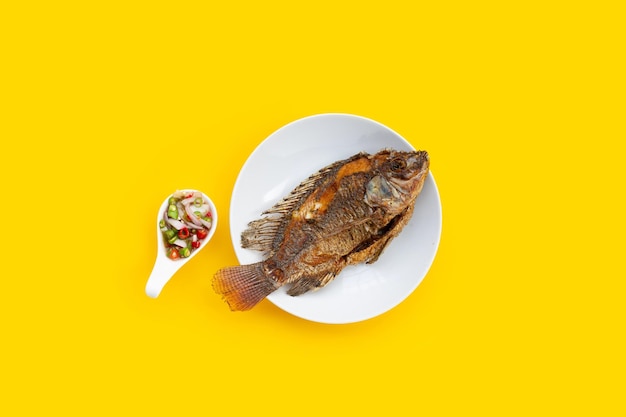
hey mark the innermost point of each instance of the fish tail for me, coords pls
(242, 287)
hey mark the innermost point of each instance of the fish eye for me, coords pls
(398, 164)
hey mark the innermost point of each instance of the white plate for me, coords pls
(290, 155)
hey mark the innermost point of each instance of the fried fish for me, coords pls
(345, 214)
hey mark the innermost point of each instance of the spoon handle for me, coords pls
(161, 274)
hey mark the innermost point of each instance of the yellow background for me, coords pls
(109, 106)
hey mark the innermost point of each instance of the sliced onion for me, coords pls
(181, 243)
(190, 225)
(192, 216)
(181, 208)
(204, 209)
(205, 223)
(176, 224)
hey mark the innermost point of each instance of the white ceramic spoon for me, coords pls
(164, 267)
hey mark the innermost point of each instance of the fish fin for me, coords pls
(287, 204)
(260, 234)
(244, 286)
(306, 284)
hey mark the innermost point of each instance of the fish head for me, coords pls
(399, 178)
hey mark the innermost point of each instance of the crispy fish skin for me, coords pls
(344, 214)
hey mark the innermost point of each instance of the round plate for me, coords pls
(290, 155)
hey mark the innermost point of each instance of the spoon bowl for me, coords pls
(164, 267)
